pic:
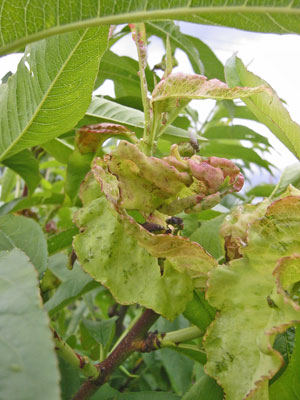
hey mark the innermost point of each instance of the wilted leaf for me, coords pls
(28, 368)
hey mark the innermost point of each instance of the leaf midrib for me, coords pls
(147, 15)
(44, 98)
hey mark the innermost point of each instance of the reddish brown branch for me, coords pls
(131, 342)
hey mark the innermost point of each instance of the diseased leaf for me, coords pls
(25, 333)
(25, 234)
(169, 185)
(266, 106)
(250, 294)
(177, 90)
(114, 258)
(51, 89)
(35, 22)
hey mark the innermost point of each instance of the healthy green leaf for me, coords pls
(179, 369)
(28, 367)
(74, 283)
(61, 240)
(287, 387)
(233, 151)
(238, 132)
(209, 237)
(123, 71)
(263, 190)
(25, 234)
(101, 110)
(254, 304)
(59, 149)
(102, 331)
(27, 166)
(69, 379)
(147, 396)
(266, 105)
(51, 89)
(289, 176)
(203, 60)
(8, 182)
(205, 388)
(199, 312)
(35, 22)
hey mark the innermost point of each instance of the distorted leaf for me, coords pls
(253, 309)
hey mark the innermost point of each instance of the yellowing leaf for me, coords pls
(252, 308)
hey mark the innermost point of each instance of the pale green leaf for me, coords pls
(34, 22)
(27, 166)
(26, 235)
(28, 367)
(266, 106)
(263, 190)
(253, 303)
(114, 258)
(51, 89)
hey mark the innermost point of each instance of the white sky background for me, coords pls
(275, 58)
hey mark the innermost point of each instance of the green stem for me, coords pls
(86, 367)
(182, 335)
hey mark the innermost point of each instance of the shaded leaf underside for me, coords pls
(37, 21)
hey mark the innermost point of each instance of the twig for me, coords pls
(124, 349)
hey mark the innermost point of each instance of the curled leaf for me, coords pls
(90, 137)
(253, 303)
(177, 90)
